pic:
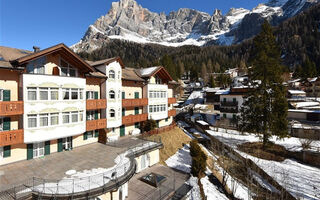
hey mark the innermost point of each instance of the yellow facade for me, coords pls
(18, 153)
(79, 141)
(129, 91)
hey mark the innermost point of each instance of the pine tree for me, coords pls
(212, 82)
(265, 109)
(204, 74)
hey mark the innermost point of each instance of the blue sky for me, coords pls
(24, 23)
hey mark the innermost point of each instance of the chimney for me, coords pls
(36, 49)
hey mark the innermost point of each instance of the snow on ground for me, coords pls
(181, 160)
(194, 98)
(234, 138)
(194, 193)
(211, 191)
(301, 180)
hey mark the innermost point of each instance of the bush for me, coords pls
(199, 159)
(149, 125)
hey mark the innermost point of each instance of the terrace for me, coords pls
(85, 171)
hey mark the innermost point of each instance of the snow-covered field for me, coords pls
(302, 181)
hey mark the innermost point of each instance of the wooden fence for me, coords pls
(161, 130)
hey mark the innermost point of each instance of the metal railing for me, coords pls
(91, 185)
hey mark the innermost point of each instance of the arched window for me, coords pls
(111, 94)
(112, 113)
(112, 74)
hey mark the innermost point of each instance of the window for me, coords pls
(54, 119)
(90, 115)
(81, 116)
(54, 93)
(32, 121)
(136, 110)
(43, 94)
(74, 117)
(38, 150)
(44, 121)
(112, 74)
(74, 94)
(67, 69)
(66, 117)
(1, 94)
(81, 94)
(112, 113)
(136, 125)
(158, 80)
(150, 109)
(90, 134)
(65, 94)
(32, 93)
(90, 94)
(111, 94)
(37, 66)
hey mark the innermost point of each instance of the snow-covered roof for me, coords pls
(304, 104)
(296, 92)
(312, 79)
(304, 111)
(294, 80)
(223, 91)
(212, 89)
(202, 123)
(147, 71)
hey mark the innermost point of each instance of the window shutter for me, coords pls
(6, 151)
(85, 136)
(123, 95)
(123, 112)
(136, 111)
(87, 115)
(96, 115)
(87, 95)
(47, 148)
(29, 151)
(136, 95)
(96, 133)
(6, 95)
(6, 124)
(60, 148)
(96, 95)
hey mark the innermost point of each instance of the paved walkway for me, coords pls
(54, 166)
(139, 190)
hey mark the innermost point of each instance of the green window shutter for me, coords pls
(96, 133)
(96, 115)
(136, 110)
(29, 151)
(47, 148)
(234, 100)
(96, 95)
(123, 95)
(166, 119)
(6, 151)
(6, 124)
(136, 95)
(60, 148)
(123, 112)
(224, 99)
(87, 114)
(85, 136)
(6, 95)
(87, 95)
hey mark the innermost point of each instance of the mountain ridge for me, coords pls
(127, 20)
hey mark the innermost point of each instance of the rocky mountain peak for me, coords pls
(128, 20)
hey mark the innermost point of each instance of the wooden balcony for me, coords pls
(172, 112)
(96, 124)
(96, 104)
(11, 137)
(134, 102)
(11, 108)
(131, 119)
(172, 100)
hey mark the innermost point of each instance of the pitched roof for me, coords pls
(8, 53)
(150, 71)
(62, 48)
(106, 62)
(97, 74)
(130, 74)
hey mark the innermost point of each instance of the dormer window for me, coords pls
(67, 69)
(158, 80)
(112, 94)
(112, 74)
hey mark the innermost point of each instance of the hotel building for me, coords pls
(53, 101)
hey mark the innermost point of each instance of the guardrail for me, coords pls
(96, 104)
(134, 102)
(96, 124)
(82, 188)
(11, 137)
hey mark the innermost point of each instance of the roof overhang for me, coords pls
(162, 73)
(59, 48)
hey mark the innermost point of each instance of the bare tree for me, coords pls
(305, 143)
